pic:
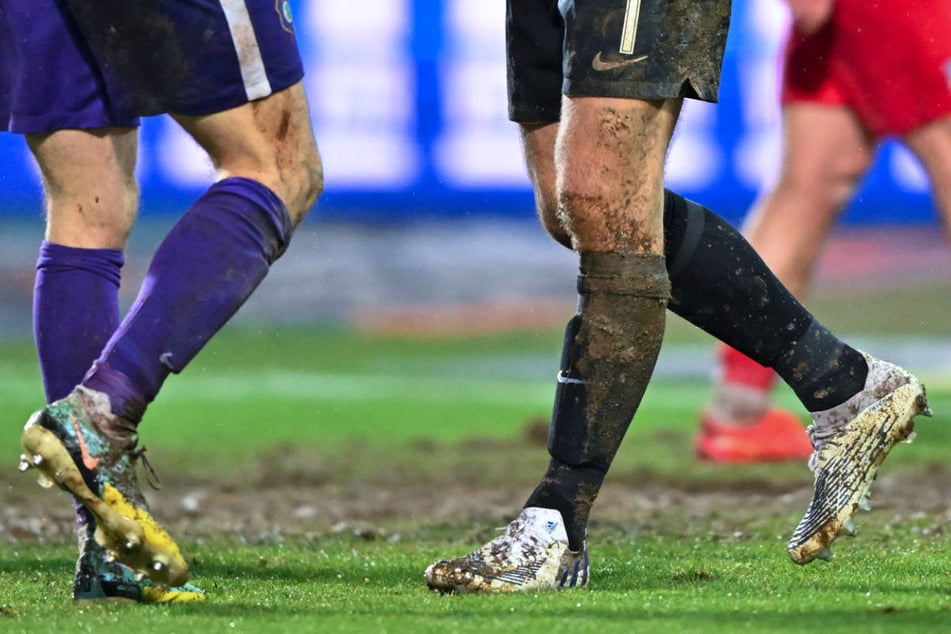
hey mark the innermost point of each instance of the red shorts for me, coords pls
(889, 63)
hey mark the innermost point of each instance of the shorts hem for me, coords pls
(535, 114)
(236, 96)
(37, 124)
(637, 90)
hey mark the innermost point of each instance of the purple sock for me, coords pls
(204, 270)
(75, 311)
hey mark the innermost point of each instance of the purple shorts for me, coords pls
(99, 63)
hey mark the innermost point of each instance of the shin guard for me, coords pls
(611, 347)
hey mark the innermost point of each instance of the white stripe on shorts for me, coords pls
(256, 84)
(632, 14)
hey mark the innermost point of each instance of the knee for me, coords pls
(826, 185)
(577, 213)
(558, 232)
(826, 193)
(94, 217)
(548, 216)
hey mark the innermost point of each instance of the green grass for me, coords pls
(328, 387)
(377, 410)
(655, 585)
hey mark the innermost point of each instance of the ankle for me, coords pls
(881, 378)
(97, 405)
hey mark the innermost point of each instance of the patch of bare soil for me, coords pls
(308, 497)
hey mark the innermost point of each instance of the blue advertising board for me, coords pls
(409, 108)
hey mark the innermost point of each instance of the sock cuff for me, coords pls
(684, 222)
(106, 263)
(638, 274)
(273, 222)
(125, 398)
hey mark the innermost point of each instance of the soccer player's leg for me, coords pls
(91, 202)
(931, 143)
(610, 349)
(825, 154)
(613, 135)
(861, 406)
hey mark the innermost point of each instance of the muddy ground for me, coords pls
(310, 496)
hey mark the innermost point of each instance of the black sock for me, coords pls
(572, 492)
(813, 359)
(720, 284)
(610, 349)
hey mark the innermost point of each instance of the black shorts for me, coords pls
(634, 49)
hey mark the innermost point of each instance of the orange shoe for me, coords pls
(777, 436)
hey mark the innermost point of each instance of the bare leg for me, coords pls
(826, 153)
(538, 144)
(84, 212)
(931, 143)
(269, 141)
(610, 159)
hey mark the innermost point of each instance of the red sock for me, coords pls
(738, 369)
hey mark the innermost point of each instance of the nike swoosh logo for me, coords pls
(567, 379)
(600, 65)
(88, 461)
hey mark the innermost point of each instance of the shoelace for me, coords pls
(820, 439)
(151, 477)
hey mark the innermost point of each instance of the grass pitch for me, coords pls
(329, 409)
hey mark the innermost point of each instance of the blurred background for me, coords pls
(427, 202)
(409, 104)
